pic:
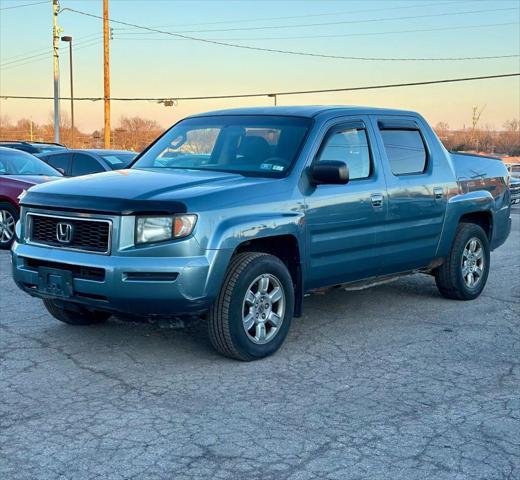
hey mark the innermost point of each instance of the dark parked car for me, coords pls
(18, 172)
(514, 169)
(32, 147)
(237, 215)
(515, 189)
(74, 163)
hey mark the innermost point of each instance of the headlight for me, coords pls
(158, 229)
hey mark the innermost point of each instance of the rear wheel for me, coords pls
(253, 312)
(75, 314)
(464, 274)
(8, 219)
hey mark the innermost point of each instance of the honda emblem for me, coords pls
(64, 232)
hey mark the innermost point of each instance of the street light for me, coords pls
(69, 40)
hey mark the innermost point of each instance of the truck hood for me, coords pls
(132, 191)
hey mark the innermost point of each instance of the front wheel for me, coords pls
(464, 274)
(8, 219)
(252, 314)
(75, 315)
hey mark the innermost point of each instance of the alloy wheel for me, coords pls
(473, 262)
(263, 308)
(7, 223)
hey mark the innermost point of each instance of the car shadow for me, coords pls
(185, 340)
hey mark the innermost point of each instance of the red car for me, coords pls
(18, 172)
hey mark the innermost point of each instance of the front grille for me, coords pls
(87, 235)
(78, 271)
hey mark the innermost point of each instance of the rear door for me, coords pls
(416, 193)
(343, 220)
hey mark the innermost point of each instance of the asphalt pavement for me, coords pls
(393, 382)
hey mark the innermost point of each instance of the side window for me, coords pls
(84, 164)
(405, 151)
(59, 162)
(351, 146)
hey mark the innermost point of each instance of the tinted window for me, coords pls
(84, 164)
(350, 146)
(251, 145)
(405, 151)
(60, 162)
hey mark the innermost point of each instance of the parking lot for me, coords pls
(393, 382)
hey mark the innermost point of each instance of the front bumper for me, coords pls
(132, 285)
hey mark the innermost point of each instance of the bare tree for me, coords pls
(135, 133)
(509, 139)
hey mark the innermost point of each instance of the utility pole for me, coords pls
(68, 39)
(55, 47)
(106, 69)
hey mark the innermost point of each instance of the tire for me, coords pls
(451, 278)
(8, 218)
(75, 315)
(232, 312)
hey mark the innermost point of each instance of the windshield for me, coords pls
(16, 162)
(250, 145)
(119, 160)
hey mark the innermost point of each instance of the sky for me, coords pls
(148, 64)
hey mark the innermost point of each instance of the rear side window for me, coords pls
(405, 151)
(59, 162)
(84, 164)
(349, 145)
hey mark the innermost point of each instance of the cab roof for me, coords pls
(309, 111)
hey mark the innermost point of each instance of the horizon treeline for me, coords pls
(135, 133)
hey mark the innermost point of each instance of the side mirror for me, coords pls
(330, 172)
(61, 170)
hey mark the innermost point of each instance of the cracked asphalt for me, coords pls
(393, 382)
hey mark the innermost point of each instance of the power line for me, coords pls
(127, 35)
(269, 94)
(343, 22)
(45, 56)
(24, 5)
(290, 52)
(344, 12)
(44, 50)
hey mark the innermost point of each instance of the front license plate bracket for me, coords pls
(55, 282)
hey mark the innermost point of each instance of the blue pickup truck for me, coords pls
(235, 215)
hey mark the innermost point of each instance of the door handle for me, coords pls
(377, 200)
(438, 193)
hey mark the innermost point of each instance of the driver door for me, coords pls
(343, 220)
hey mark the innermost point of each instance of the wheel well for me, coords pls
(482, 219)
(285, 247)
(7, 200)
